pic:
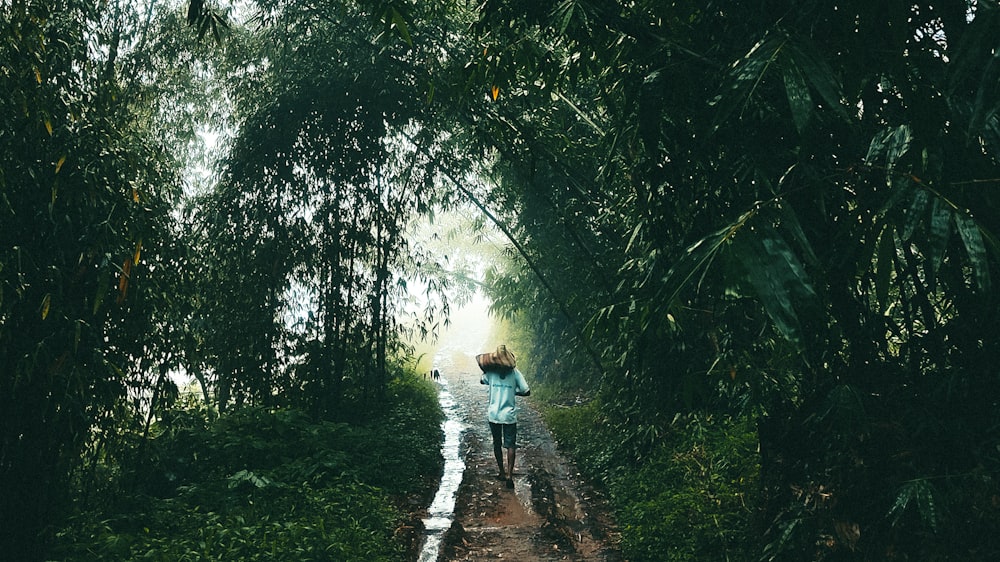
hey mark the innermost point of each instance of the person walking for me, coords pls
(505, 383)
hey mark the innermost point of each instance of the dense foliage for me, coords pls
(775, 212)
(84, 195)
(126, 266)
(785, 211)
(269, 485)
(692, 497)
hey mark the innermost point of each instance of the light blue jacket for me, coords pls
(503, 389)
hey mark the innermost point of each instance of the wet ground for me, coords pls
(551, 514)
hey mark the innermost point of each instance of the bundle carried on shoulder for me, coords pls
(500, 360)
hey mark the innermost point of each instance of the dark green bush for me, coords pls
(690, 496)
(268, 485)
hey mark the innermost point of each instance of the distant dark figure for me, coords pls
(437, 375)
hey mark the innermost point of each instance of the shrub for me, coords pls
(265, 484)
(690, 497)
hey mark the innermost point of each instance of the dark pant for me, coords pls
(504, 435)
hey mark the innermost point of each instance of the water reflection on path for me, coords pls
(466, 337)
(442, 510)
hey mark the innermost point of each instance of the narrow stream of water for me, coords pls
(442, 510)
(470, 328)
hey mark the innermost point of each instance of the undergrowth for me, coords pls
(268, 485)
(690, 496)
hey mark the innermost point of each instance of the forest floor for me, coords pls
(551, 514)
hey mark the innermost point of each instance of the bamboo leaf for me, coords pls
(102, 288)
(985, 110)
(919, 493)
(822, 77)
(203, 25)
(991, 133)
(926, 505)
(194, 12)
(399, 24)
(877, 147)
(799, 100)
(123, 280)
(635, 235)
(779, 281)
(564, 14)
(46, 304)
(974, 246)
(885, 266)
(981, 37)
(887, 149)
(940, 232)
(697, 257)
(744, 77)
(896, 148)
(915, 213)
(790, 222)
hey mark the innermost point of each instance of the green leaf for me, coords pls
(194, 12)
(973, 240)
(203, 25)
(102, 288)
(822, 77)
(883, 276)
(697, 257)
(779, 280)
(635, 235)
(744, 77)
(563, 13)
(886, 150)
(918, 492)
(399, 24)
(991, 134)
(977, 39)
(46, 304)
(940, 232)
(790, 222)
(897, 146)
(799, 99)
(915, 213)
(877, 147)
(248, 477)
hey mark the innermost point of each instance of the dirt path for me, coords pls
(551, 514)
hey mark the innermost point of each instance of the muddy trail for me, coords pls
(551, 514)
